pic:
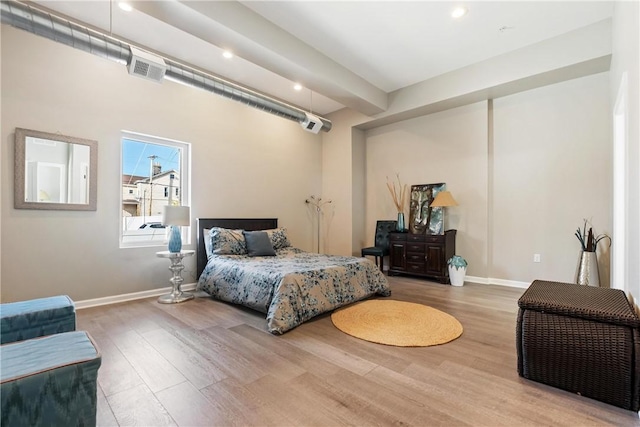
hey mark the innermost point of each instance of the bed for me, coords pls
(290, 287)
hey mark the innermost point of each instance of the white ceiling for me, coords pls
(345, 53)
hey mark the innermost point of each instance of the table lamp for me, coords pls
(174, 217)
(442, 200)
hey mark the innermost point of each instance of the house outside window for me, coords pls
(151, 168)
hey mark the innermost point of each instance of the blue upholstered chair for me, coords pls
(48, 370)
(381, 245)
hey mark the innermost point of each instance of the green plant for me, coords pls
(457, 262)
(588, 240)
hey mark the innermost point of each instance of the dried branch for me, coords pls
(399, 194)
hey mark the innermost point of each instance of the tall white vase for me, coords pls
(456, 275)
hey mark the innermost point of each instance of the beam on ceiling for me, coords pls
(231, 25)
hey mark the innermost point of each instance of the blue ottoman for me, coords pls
(35, 318)
(49, 381)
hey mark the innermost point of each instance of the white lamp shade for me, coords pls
(176, 215)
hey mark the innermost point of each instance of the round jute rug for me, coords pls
(398, 323)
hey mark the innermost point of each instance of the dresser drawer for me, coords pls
(398, 236)
(415, 237)
(415, 247)
(414, 267)
(414, 257)
(434, 239)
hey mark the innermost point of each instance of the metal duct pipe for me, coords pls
(63, 31)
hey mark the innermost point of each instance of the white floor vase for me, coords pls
(456, 275)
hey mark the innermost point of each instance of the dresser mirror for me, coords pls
(54, 171)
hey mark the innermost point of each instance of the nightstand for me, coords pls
(176, 294)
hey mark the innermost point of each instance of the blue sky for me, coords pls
(135, 155)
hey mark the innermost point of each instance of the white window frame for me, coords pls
(184, 179)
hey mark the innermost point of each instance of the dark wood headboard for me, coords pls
(249, 224)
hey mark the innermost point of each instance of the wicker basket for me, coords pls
(581, 339)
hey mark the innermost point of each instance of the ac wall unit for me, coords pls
(146, 65)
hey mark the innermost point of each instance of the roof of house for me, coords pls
(132, 179)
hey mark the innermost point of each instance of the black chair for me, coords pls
(381, 247)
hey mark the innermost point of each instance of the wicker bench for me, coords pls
(581, 339)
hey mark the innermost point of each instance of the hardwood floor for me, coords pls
(206, 363)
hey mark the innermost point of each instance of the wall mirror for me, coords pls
(54, 171)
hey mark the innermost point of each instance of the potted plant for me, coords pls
(457, 270)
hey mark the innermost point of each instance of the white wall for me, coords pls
(338, 179)
(359, 195)
(449, 147)
(525, 170)
(626, 61)
(246, 163)
(552, 168)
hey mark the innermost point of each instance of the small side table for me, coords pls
(176, 294)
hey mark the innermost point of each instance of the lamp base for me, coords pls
(176, 268)
(175, 297)
(175, 239)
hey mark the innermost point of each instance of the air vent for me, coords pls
(146, 65)
(311, 123)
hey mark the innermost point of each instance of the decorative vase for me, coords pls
(175, 240)
(400, 223)
(457, 270)
(587, 271)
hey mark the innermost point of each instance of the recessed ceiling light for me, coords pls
(125, 6)
(297, 86)
(458, 12)
(227, 54)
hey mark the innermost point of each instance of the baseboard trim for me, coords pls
(95, 302)
(191, 286)
(494, 281)
(475, 279)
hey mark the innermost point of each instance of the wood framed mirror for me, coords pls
(54, 171)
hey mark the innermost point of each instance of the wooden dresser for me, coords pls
(423, 255)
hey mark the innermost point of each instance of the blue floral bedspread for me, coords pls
(293, 286)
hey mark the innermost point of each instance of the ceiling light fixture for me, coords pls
(125, 6)
(227, 54)
(459, 12)
(297, 87)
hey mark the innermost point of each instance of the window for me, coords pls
(154, 167)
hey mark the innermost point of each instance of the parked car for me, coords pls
(152, 225)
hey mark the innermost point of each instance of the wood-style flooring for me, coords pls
(207, 363)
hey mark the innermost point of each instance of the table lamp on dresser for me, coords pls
(442, 200)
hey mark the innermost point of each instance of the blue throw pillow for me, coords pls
(258, 243)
